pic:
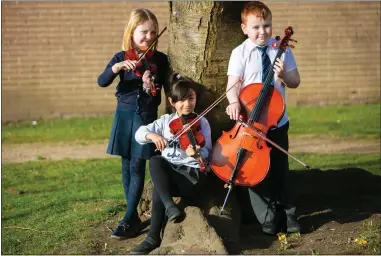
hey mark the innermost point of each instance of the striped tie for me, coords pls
(266, 63)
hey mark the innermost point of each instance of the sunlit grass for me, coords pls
(369, 162)
(352, 122)
(355, 122)
(79, 130)
(53, 207)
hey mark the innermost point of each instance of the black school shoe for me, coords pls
(292, 224)
(173, 213)
(278, 224)
(147, 246)
(127, 230)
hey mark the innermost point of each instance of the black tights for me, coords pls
(167, 183)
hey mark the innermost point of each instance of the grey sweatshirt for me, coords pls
(173, 153)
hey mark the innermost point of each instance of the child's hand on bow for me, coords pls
(233, 110)
(159, 141)
(191, 151)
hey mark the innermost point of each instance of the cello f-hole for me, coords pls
(235, 134)
(258, 145)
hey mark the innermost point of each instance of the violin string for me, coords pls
(255, 114)
(261, 99)
(190, 134)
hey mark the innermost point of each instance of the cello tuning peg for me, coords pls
(293, 40)
(291, 46)
(277, 38)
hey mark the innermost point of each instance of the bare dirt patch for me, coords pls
(17, 153)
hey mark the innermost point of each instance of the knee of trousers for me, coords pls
(156, 161)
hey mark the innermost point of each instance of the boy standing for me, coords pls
(268, 198)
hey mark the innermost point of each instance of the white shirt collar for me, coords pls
(251, 45)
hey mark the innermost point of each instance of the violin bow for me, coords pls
(222, 97)
(202, 114)
(260, 134)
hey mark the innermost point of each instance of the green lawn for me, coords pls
(79, 130)
(369, 162)
(63, 203)
(362, 122)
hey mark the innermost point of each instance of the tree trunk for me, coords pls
(201, 38)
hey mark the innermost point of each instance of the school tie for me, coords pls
(266, 63)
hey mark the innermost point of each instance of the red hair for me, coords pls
(256, 8)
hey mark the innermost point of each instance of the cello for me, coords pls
(248, 137)
(241, 156)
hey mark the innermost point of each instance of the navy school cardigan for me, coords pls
(129, 90)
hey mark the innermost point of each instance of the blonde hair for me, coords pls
(137, 17)
(256, 8)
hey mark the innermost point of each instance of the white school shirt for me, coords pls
(174, 154)
(246, 62)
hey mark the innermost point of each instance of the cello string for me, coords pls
(261, 99)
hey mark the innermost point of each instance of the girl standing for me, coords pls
(136, 106)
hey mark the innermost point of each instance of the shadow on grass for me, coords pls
(341, 195)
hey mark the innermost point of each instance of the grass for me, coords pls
(79, 130)
(63, 203)
(369, 238)
(360, 122)
(369, 162)
(58, 207)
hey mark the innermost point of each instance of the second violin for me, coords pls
(192, 136)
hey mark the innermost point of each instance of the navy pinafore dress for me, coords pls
(134, 106)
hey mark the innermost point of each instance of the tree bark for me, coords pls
(201, 38)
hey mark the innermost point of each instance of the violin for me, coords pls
(144, 58)
(144, 62)
(192, 136)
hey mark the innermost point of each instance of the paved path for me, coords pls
(28, 152)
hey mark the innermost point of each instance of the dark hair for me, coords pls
(181, 87)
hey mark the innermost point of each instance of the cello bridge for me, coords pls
(248, 134)
(248, 144)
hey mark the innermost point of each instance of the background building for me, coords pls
(53, 52)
